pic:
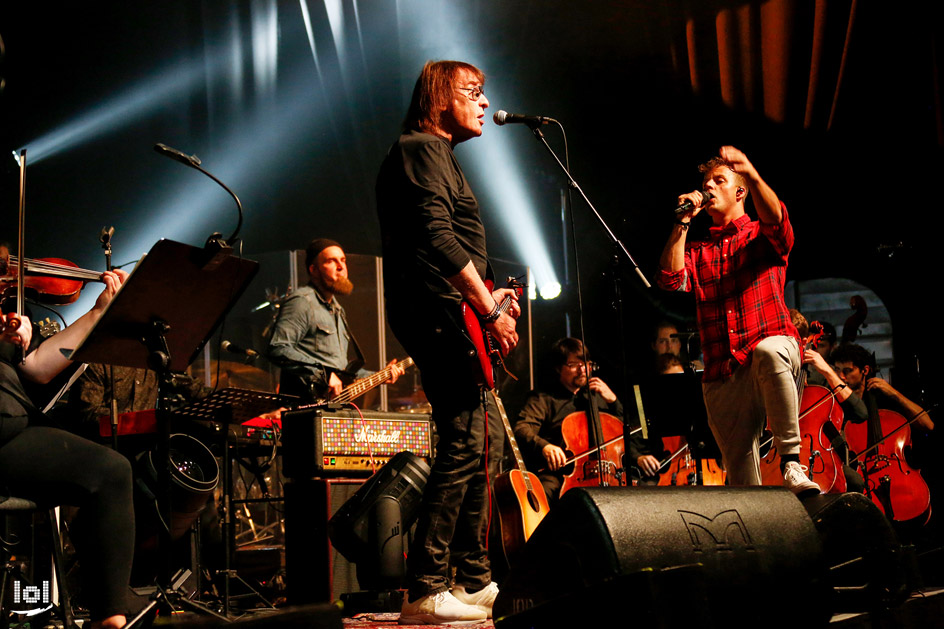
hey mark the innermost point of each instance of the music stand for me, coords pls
(677, 407)
(232, 406)
(161, 318)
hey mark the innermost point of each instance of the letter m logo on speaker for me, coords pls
(725, 531)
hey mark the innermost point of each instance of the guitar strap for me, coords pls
(358, 362)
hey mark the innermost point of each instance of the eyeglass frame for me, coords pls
(471, 95)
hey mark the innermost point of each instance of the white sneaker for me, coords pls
(483, 599)
(796, 480)
(441, 608)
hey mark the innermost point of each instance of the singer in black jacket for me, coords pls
(434, 257)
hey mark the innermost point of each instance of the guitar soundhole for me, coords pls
(533, 501)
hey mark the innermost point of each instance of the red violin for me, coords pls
(47, 280)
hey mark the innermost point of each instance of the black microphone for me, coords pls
(502, 117)
(180, 156)
(688, 206)
(232, 348)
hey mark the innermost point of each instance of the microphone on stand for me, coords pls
(232, 348)
(688, 206)
(502, 117)
(180, 156)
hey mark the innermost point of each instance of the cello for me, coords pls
(597, 462)
(820, 421)
(897, 489)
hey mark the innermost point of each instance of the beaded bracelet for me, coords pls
(492, 316)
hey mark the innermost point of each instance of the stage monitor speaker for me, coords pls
(732, 556)
(868, 567)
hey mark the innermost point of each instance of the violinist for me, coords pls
(750, 346)
(42, 463)
(538, 427)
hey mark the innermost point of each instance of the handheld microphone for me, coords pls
(502, 117)
(180, 156)
(232, 348)
(688, 206)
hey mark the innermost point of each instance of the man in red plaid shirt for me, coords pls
(750, 345)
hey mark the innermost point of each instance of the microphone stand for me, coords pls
(618, 246)
(215, 241)
(574, 185)
(105, 238)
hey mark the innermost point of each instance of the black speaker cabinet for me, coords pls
(669, 555)
(315, 571)
(867, 566)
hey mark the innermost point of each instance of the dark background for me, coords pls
(636, 84)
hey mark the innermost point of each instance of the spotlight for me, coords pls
(551, 290)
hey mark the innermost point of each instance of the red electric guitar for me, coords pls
(488, 350)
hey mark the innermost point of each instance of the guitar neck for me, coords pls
(362, 386)
(519, 460)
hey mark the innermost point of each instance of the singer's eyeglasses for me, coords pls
(474, 93)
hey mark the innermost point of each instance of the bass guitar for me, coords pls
(486, 348)
(522, 503)
(362, 386)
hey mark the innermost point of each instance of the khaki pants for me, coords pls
(762, 389)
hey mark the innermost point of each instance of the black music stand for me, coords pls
(161, 318)
(676, 406)
(232, 406)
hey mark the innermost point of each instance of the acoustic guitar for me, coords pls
(522, 503)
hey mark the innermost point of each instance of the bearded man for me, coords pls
(311, 339)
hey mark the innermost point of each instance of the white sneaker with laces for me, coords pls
(441, 608)
(483, 599)
(796, 480)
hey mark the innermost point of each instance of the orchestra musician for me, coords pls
(856, 367)
(750, 346)
(434, 257)
(311, 339)
(538, 427)
(51, 466)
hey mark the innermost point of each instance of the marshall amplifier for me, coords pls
(321, 441)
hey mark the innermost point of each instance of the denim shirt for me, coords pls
(310, 333)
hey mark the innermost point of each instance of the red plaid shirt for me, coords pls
(738, 276)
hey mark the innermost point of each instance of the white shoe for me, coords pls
(483, 599)
(796, 480)
(441, 608)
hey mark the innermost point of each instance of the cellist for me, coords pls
(853, 408)
(538, 426)
(856, 367)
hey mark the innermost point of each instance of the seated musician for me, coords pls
(643, 452)
(53, 467)
(853, 408)
(132, 389)
(311, 338)
(856, 367)
(538, 427)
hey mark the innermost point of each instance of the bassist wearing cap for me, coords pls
(311, 341)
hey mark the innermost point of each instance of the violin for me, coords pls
(53, 281)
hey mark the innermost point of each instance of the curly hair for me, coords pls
(716, 161)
